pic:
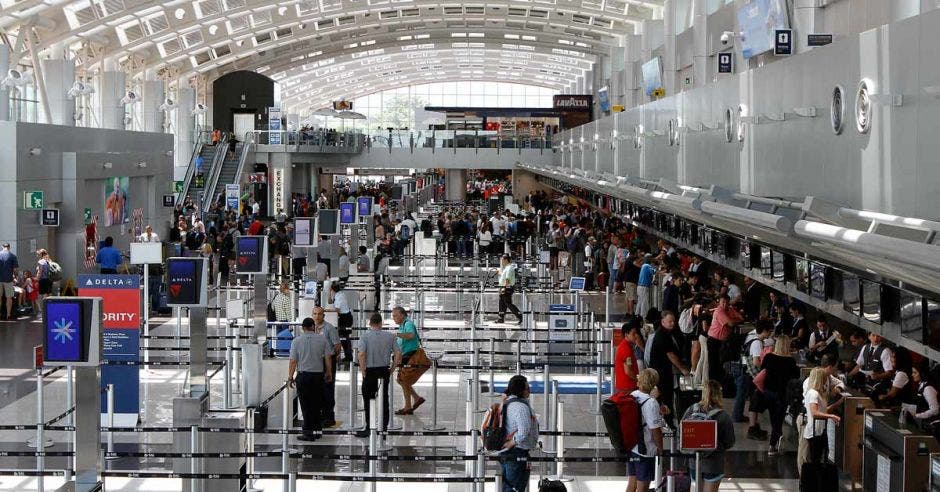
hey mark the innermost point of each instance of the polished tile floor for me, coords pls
(749, 467)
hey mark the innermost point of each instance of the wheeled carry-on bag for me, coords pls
(819, 477)
(546, 484)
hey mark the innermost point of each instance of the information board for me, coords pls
(698, 435)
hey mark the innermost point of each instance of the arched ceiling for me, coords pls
(353, 43)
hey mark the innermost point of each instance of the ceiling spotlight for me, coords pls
(130, 97)
(16, 78)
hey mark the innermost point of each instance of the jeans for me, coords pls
(777, 406)
(461, 246)
(745, 384)
(515, 473)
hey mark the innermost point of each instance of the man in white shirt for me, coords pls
(148, 236)
(507, 285)
(255, 208)
(874, 360)
(641, 469)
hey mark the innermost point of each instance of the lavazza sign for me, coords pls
(572, 102)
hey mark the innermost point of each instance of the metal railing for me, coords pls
(191, 170)
(218, 161)
(312, 140)
(456, 139)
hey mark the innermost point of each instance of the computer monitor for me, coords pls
(347, 213)
(364, 206)
(328, 222)
(187, 282)
(251, 255)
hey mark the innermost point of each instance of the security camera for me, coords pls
(130, 97)
(727, 38)
(200, 109)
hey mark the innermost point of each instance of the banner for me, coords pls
(120, 332)
(274, 124)
(115, 201)
(231, 198)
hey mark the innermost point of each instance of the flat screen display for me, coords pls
(184, 281)
(851, 294)
(817, 280)
(802, 275)
(303, 231)
(397, 192)
(652, 76)
(779, 266)
(871, 300)
(766, 262)
(911, 316)
(347, 213)
(328, 220)
(364, 206)
(933, 322)
(759, 21)
(577, 283)
(65, 340)
(250, 254)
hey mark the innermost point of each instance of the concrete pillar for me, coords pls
(699, 44)
(59, 75)
(631, 69)
(670, 73)
(111, 90)
(455, 184)
(152, 94)
(4, 92)
(184, 123)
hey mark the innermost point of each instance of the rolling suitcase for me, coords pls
(548, 485)
(819, 477)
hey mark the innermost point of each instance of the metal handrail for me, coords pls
(218, 161)
(191, 170)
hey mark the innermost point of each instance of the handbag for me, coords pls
(418, 364)
(760, 379)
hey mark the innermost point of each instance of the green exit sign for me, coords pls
(33, 200)
(177, 187)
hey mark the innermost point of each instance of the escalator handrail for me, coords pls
(191, 170)
(218, 161)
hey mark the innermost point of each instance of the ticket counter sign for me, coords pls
(698, 435)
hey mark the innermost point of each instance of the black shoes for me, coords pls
(308, 437)
(756, 433)
(327, 424)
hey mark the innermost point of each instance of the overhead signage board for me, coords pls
(120, 335)
(251, 255)
(725, 62)
(232, 201)
(187, 280)
(274, 125)
(818, 39)
(783, 42)
(50, 217)
(571, 102)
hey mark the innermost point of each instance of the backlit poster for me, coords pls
(347, 213)
(249, 253)
(115, 201)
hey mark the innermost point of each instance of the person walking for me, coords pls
(780, 368)
(409, 342)
(325, 328)
(713, 463)
(641, 469)
(644, 286)
(507, 285)
(376, 348)
(108, 258)
(44, 273)
(9, 270)
(345, 317)
(522, 435)
(310, 358)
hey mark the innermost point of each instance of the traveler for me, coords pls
(641, 469)
(836, 391)
(484, 238)
(362, 263)
(644, 285)
(376, 347)
(631, 275)
(310, 358)
(507, 285)
(44, 273)
(345, 318)
(724, 319)
(663, 356)
(281, 304)
(753, 352)
(713, 463)
(409, 342)
(322, 326)
(522, 435)
(108, 257)
(342, 269)
(626, 367)
(815, 400)
(873, 362)
(148, 236)
(780, 369)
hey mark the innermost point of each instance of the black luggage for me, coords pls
(548, 485)
(611, 415)
(161, 307)
(685, 399)
(819, 477)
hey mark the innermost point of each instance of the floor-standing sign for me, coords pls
(120, 340)
(232, 197)
(562, 323)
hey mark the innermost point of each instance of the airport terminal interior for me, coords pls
(503, 246)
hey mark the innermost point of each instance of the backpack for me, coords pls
(572, 243)
(696, 412)
(272, 316)
(493, 429)
(686, 321)
(624, 422)
(405, 232)
(54, 271)
(795, 397)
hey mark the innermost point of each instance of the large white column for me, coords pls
(670, 73)
(111, 88)
(279, 196)
(183, 128)
(631, 68)
(152, 95)
(4, 92)
(699, 44)
(455, 184)
(58, 76)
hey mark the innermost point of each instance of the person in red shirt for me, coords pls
(724, 318)
(626, 368)
(255, 228)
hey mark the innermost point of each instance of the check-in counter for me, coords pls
(849, 453)
(896, 456)
(935, 472)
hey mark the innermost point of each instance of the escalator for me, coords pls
(194, 183)
(228, 172)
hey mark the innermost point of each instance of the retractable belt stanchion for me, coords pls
(433, 426)
(286, 416)
(519, 356)
(351, 424)
(40, 428)
(250, 437)
(469, 443)
(492, 366)
(551, 421)
(375, 422)
(292, 482)
(110, 399)
(560, 441)
(391, 402)
(194, 462)
(546, 389)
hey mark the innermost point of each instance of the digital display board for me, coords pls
(397, 192)
(347, 213)
(871, 300)
(303, 231)
(364, 206)
(251, 255)
(817, 280)
(328, 222)
(186, 282)
(851, 294)
(65, 340)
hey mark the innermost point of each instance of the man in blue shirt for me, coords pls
(643, 285)
(8, 272)
(108, 257)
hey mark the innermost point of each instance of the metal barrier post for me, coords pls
(353, 373)
(40, 428)
(551, 420)
(110, 390)
(480, 464)
(433, 426)
(250, 461)
(469, 444)
(475, 376)
(391, 403)
(193, 461)
(286, 416)
(373, 434)
(546, 388)
(519, 356)
(70, 420)
(492, 366)
(560, 440)
(179, 331)
(292, 482)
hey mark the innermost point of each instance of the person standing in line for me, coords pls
(345, 318)
(626, 365)
(815, 399)
(108, 258)
(408, 342)
(342, 269)
(310, 358)
(641, 469)
(781, 368)
(325, 328)
(663, 356)
(376, 348)
(713, 463)
(644, 286)
(507, 285)
(522, 435)
(724, 319)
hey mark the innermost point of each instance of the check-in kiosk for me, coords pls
(251, 258)
(896, 457)
(562, 326)
(849, 454)
(72, 336)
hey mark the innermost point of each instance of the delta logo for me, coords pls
(175, 289)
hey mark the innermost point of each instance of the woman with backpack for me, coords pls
(710, 408)
(46, 272)
(522, 435)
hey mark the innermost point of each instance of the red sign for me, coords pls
(37, 357)
(121, 308)
(698, 435)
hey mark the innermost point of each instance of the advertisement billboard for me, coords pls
(759, 21)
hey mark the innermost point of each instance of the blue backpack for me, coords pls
(405, 232)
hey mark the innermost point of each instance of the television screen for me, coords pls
(347, 213)
(817, 280)
(251, 254)
(652, 76)
(759, 21)
(778, 266)
(328, 222)
(932, 308)
(184, 282)
(364, 205)
(851, 295)
(871, 300)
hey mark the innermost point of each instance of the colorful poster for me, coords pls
(231, 198)
(115, 201)
(120, 336)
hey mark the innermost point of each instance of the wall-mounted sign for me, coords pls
(33, 200)
(169, 201)
(278, 191)
(50, 217)
(818, 39)
(232, 197)
(257, 178)
(274, 125)
(726, 62)
(568, 102)
(783, 42)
